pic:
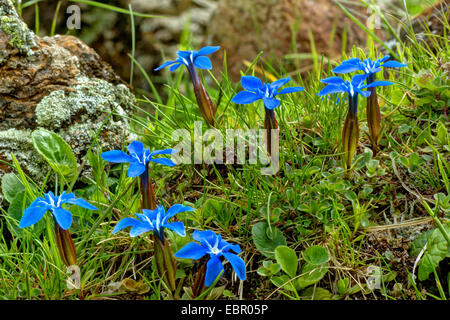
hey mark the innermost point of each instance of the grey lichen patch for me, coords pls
(19, 143)
(90, 99)
(20, 36)
(92, 113)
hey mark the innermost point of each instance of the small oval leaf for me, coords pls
(287, 259)
(316, 255)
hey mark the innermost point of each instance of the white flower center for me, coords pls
(352, 91)
(215, 249)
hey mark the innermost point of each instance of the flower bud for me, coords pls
(66, 247)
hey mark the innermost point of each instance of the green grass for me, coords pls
(367, 217)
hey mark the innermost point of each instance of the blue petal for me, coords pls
(279, 83)
(358, 79)
(207, 50)
(64, 197)
(237, 263)
(138, 230)
(346, 68)
(333, 80)
(271, 103)
(235, 247)
(164, 161)
(332, 89)
(352, 61)
(251, 83)
(177, 208)
(125, 223)
(393, 64)
(213, 268)
(201, 236)
(116, 156)
(165, 151)
(175, 66)
(151, 214)
(379, 84)
(202, 62)
(365, 94)
(177, 227)
(245, 97)
(291, 90)
(384, 59)
(135, 169)
(137, 148)
(81, 203)
(63, 217)
(165, 64)
(32, 214)
(184, 53)
(191, 251)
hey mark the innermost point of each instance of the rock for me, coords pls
(109, 33)
(244, 28)
(59, 84)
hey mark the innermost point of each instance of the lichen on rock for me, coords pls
(89, 98)
(60, 84)
(18, 143)
(78, 115)
(19, 35)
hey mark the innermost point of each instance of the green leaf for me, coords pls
(267, 239)
(316, 255)
(311, 274)
(11, 186)
(351, 195)
(56, 151)
(342, 285)
(283, 281)
(268, 269)
(362, 159)
(437, 250)
(317, 294)
(287, 259)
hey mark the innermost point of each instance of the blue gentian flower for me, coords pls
(213, 245)
(367, 65)
(191, 59)
(255, 90)
(63, 217)
(138, 158)
(154, 220)
(196, 59)
(353, 88)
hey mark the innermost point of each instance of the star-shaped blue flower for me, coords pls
(255, 90)
(353, 87)
(367, 65)
(138, 158)
(213, 245)
(154, 220)
(191, 59)
(53, 203)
